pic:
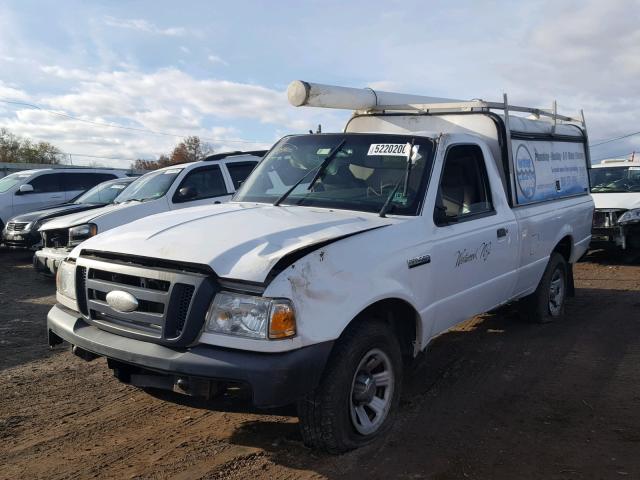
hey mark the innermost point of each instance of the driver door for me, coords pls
(474, 247)
(47, 191)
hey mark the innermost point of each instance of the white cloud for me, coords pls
(144, 26)
(7, 92)
(216, 59)
(165, 101)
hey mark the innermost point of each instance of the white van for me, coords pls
(339, 259)
(30, 190)
(615, 187)
(206, 182)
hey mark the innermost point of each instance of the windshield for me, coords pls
(102, 194)
(615, 179)
(149, 186)
(10, 180)
(367, 170)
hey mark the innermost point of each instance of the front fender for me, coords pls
(332, 285)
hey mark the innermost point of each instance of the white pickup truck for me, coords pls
(615, 186)
(339, 259)
(209, 181)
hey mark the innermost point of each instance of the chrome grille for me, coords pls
(16, 226)
(164, 298)
(606, 218)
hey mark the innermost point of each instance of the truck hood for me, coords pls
(237, 240)
(626, 200)
(86, 216)
(57, 211)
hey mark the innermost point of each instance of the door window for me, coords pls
(203, 183)
(47, 183)
(84, 181)
(239, 171)
(464, 191)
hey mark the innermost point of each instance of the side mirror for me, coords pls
(187, 193)
(440, 217)
(26, 188)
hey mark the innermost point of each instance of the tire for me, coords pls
(331, 417)
(546, 304)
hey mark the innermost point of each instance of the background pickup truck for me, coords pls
(615, 185)
(339, 259)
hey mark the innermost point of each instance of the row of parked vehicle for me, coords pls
(339, 258)
(56, 230)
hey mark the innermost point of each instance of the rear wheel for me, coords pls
(546, 304)
(359, 391)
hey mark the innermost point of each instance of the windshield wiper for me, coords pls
(325, 163)
(387, 203)
(319, 170)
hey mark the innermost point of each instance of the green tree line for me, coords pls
(17, 149)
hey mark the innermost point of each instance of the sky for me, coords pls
(219, 70)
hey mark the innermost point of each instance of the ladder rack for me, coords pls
(369, 101)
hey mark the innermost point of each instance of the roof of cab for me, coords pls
(220, 156)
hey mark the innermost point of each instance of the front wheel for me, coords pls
(546, 304)
(359, 392)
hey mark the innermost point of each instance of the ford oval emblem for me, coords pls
(122, 301)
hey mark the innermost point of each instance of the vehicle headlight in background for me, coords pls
(79, 234)
(630, 216)
(251, 316)
(66, 280)
(31, 227)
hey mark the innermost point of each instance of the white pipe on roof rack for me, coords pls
(329, 96)
(302, 93)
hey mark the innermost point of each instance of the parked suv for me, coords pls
(22, 231)
(206, 182)
(30, 190)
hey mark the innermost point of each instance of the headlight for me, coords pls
(66, 280)
(251, 316)
(79, 234)
(630, 216)
(31, 227)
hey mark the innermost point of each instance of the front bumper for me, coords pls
(48, 260)
(21, 239)
(275, 379)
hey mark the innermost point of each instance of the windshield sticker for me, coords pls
(172, 171)
(118, 187)
(400, 197)
(634, 168)
(392, 149)
(323, 151)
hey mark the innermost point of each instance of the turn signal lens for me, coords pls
(283, 320)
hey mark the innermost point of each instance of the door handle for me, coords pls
(502, 232)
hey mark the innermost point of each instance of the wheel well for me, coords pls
(564, 247)
(401, 316)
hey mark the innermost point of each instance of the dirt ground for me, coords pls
(496, 398)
